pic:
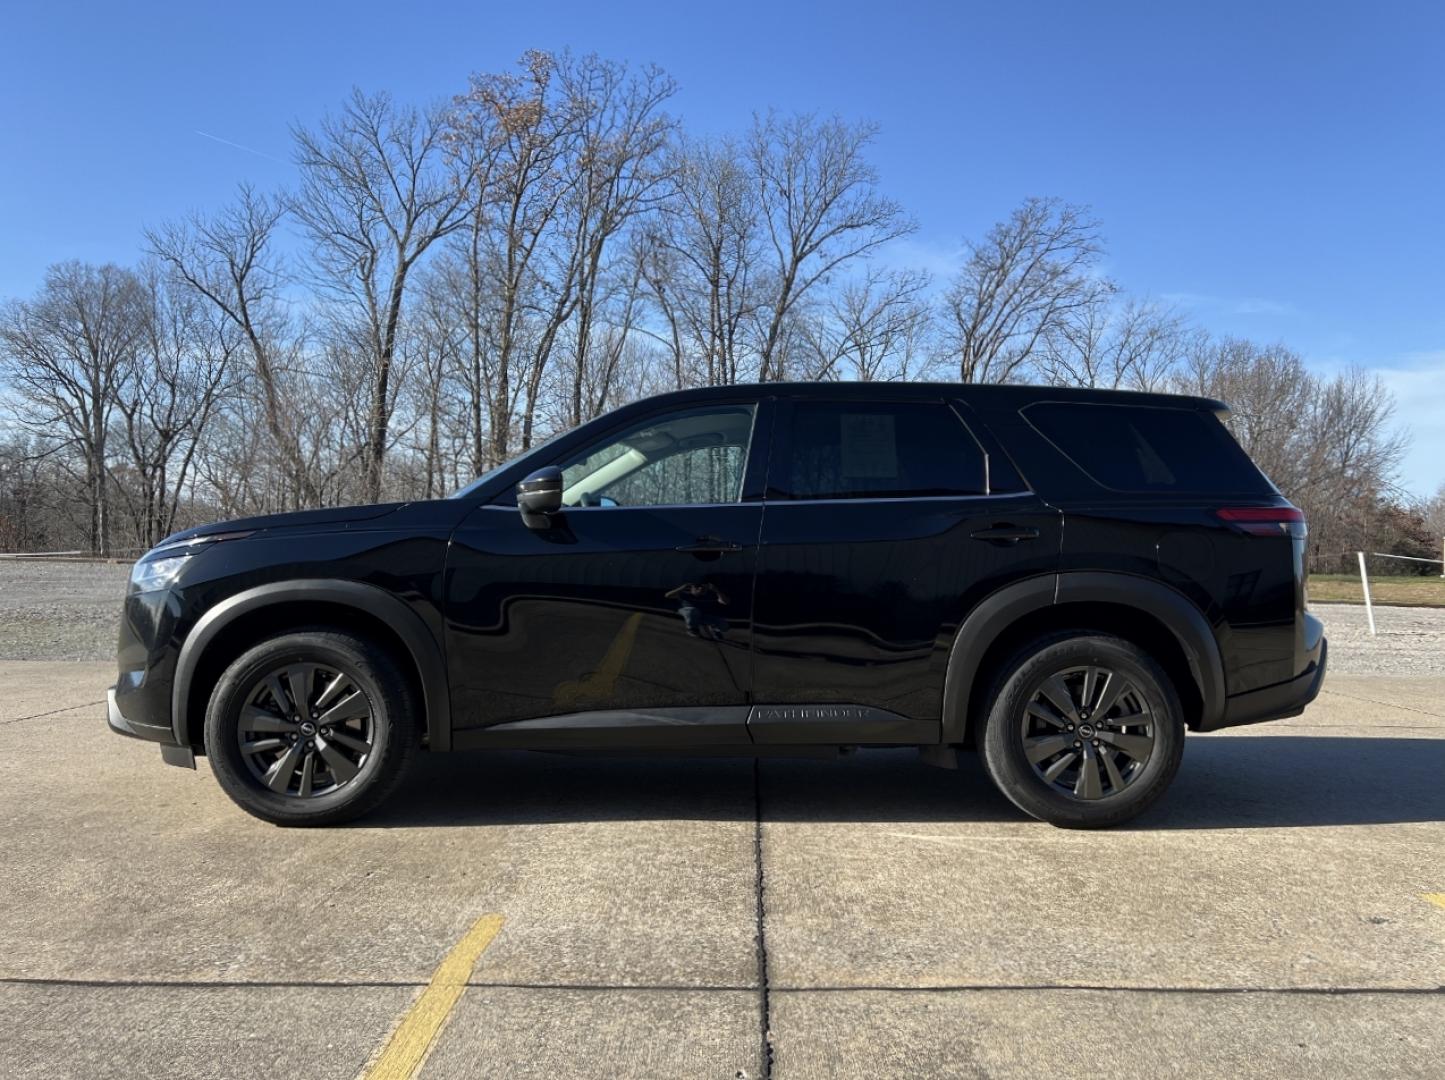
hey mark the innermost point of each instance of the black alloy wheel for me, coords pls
(1088, 731)
(1083, 729)
(313, 727)
(307, 730)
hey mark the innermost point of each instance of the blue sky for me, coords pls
(1276, 170)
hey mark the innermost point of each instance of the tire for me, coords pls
(1050, 752)
(317, 772)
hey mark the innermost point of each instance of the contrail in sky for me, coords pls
(238, 146)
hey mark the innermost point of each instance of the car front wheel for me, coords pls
(313, 727)
(1083, 730)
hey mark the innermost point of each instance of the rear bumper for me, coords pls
(171, 754)
(1281, 700)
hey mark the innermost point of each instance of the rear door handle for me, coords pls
(709, 545)
(1006, 534)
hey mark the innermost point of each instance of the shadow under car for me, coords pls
(1229, 782)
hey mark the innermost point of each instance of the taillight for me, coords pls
(1265, 520)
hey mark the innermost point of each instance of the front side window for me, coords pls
(843, 450)
(687, 458)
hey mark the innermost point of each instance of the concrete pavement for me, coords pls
(1269, 918)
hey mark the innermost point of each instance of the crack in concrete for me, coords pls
(764, 1002)
(1386, 704)
(53, 712)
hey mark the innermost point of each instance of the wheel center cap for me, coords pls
(308, 729)
(1086, 731)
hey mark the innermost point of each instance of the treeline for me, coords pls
(469, 278)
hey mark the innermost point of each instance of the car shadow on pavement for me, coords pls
(1279, 781)
(1226, 782)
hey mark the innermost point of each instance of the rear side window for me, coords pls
(846, 450)
(1147, 449)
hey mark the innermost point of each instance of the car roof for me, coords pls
(983, 395)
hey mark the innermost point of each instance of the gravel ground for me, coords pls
(1408, 641)
(60, 610)
(69, 611)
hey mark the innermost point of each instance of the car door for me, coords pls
(885, 522)
(628, 618)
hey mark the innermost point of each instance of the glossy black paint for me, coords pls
(1249, 588)
(765, 622)
(858, 602)
(601, 611)
(1246, 586)
(398, 549)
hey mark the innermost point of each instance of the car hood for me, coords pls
(337, 516)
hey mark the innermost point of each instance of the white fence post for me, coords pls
(1365, 584)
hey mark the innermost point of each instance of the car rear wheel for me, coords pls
(1083, 730)
(313, 727)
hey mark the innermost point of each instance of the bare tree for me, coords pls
(1269, 393)
(435, 404)
(28, 487)
(1357, 447)
(615, 307)
(170, 387)
(1434, 512)
(820, 208)
(549, 246)
(1022, 285)
(1328, 444)
(1134, 345)
(873, 329)
(622, 172)
(374, 197)
(64, 355)
(700, 262)
(517, 131)
(227, 258)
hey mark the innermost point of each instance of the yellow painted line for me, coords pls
(1436, 898)
(409, 1044)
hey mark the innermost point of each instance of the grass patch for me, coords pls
(1397, 591)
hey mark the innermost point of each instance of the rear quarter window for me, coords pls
(1138, 448)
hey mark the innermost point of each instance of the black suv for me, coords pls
(1063, 579)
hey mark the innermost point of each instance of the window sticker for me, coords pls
(869, 445)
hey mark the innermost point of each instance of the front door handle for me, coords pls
(1006, 534)
(709, 545)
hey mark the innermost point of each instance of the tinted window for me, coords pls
(841, 450)
(1136, 448)
(682, 459)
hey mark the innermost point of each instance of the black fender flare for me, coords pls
(1001, 609)
(420, 643)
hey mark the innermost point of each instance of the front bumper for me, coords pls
(171, 754)
(1280, 701)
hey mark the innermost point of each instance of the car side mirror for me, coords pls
(539, 496)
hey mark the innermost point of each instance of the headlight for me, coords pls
(161, 566)
(157, 573)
